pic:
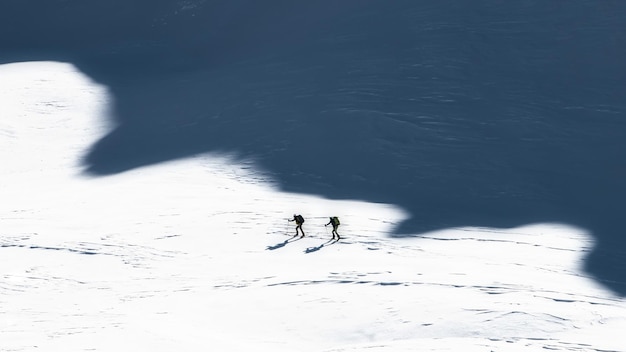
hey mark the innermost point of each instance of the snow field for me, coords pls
(197, 254)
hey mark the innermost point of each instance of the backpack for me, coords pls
(300, 219)
(335, 221)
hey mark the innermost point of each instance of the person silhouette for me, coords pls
(335, 222)
(299, 221)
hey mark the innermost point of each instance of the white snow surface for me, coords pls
(197, 255)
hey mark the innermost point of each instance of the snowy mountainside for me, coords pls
(465, 114)
(197, 253)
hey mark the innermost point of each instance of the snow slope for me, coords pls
(197, 254)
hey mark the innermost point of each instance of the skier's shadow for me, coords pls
(284, 243)
(325, 244)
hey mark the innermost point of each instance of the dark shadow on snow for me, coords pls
(484, 113)
(284, 243)
(317, 248)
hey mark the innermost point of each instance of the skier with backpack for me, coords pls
(335, 222)
(299, 221)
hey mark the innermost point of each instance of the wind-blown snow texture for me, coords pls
(483, 113)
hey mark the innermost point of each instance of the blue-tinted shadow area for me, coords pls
(483, 113)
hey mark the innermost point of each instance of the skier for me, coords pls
(299, 221)
(335, 222)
